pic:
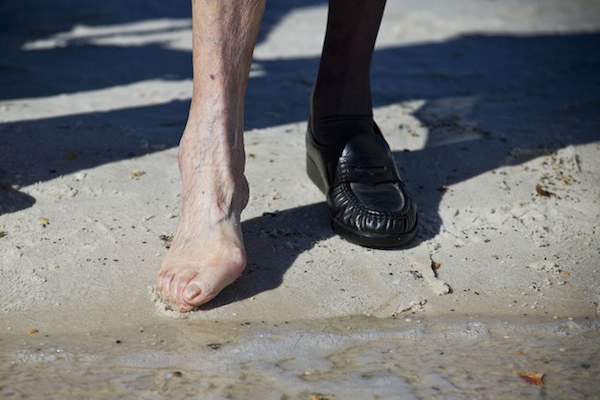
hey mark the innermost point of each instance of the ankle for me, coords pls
(332, 97)
(213, 178)
(210, 199)
(340, 128)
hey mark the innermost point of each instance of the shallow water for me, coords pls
(335, 359)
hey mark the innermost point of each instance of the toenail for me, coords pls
(192, 291)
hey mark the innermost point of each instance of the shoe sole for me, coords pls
(373, 240)
(315, 176)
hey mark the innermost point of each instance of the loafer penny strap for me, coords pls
(365, 171)
(366, 159)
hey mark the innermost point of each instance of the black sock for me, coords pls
(330, 130)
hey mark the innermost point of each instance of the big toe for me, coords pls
(197, 292)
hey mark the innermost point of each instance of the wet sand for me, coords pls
(334, 359)
(491, 110)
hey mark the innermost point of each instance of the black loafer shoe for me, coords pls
(368, 201)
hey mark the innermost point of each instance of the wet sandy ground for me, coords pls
(491, 110)
(411, 358)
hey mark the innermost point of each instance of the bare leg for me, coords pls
(342, 93)
(207, 252)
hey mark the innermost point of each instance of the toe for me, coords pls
(197, 292)
(164, 285)
(192, 291)
(179, 287)
(160, 281)
(173, 290)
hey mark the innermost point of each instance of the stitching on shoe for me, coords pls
(353, 200)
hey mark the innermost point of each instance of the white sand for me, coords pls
(482, 102)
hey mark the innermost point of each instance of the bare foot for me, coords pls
(207, 252)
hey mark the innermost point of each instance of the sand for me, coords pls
(491, 110)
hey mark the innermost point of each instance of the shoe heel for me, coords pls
(315, 175)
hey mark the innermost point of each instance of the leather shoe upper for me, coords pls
(367, 199)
